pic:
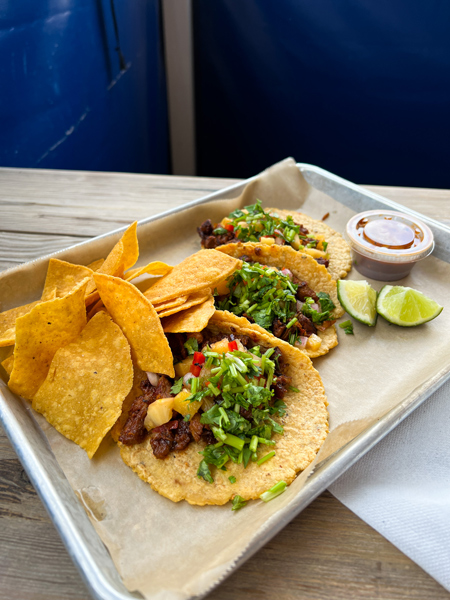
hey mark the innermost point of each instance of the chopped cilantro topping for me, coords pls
(191, 345)
(238, 502)
(203, 471)
(253, 223)
(347, 326)
(177, 386)
(232, 479)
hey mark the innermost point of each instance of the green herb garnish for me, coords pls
(177, 386)
(232, 479)
(274, 491)
(238, 502)
(191, 345)
(347, 326)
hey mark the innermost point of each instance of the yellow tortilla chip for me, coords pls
(40, 333)
(192, 320)
(203, 269)
(95, 308)
(338, 250)
(87, 382)
(139, 321)
(62, 277)
(8, 322)
(305, 429)
(95, 266)
(154, 268)
(8, 363)
(192, 300)
(122, 257)
(170, 303)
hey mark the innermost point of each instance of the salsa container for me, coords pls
(75, 528)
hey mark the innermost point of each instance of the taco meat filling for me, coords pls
(279, 302)
(226, 393)
(254, 224)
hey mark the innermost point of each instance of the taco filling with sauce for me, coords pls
(226, 395)
(279, 302)
(254, 224)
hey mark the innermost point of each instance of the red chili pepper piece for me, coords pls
(199, 358)
(229, 227)
(232, 345)
(195, 370)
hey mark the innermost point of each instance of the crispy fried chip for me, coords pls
(170, 304)
(305, 268)
(95, 266)
(200, 270)
(192, 300)
(339, 252)
(8, 322)
(95, 308)
(122, 257)
(8, 363)
(154, 268)
(87, 382)
(139, 321)
(305, 428)
(62, 277)
(40, 333)
(194, 319)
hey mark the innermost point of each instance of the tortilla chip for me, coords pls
(95, 266)
(194, 319)
(170, 303)
(40, 333)
(8, 322)
(154, 268)
(338, 250)
(203, 269)
(62, 277)
(95, 308)
(8, 363)
(192, 300)
(305, 428)
(87, 382)
(139, 321)
(122, 257)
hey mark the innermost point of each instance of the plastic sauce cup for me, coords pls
(387, 244)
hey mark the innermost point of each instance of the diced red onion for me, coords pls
(300, 305)
(186, 380)
(315, 306)
(288, 273)
(320, 327)
(153, 378)
(279, 241)
(301, 342)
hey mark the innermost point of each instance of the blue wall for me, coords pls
(359, 87)
(64, 103)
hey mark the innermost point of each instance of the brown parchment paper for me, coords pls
(176, 551)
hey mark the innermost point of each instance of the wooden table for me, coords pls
(325, 552)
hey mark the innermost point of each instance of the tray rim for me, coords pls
(43, 477)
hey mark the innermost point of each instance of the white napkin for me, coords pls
(401, 488)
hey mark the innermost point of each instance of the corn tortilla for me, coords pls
(305, 428)
(305, 268)
(339, 252)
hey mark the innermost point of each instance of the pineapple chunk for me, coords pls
(220, 347)
(267, 240)
(314, 342)
(183, 367)
(221, 288)
(226, 221)
(181, 405)
(159, 412)
(315, 253)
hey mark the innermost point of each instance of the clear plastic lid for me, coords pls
(390, 236)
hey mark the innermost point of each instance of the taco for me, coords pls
(246, 412)
(294, 299)
(281, 227)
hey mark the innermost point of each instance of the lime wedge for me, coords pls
(406, 307)
(358, 298)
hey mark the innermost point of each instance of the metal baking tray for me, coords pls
(82, 542)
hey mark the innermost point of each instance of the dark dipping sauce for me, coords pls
(387, 244)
